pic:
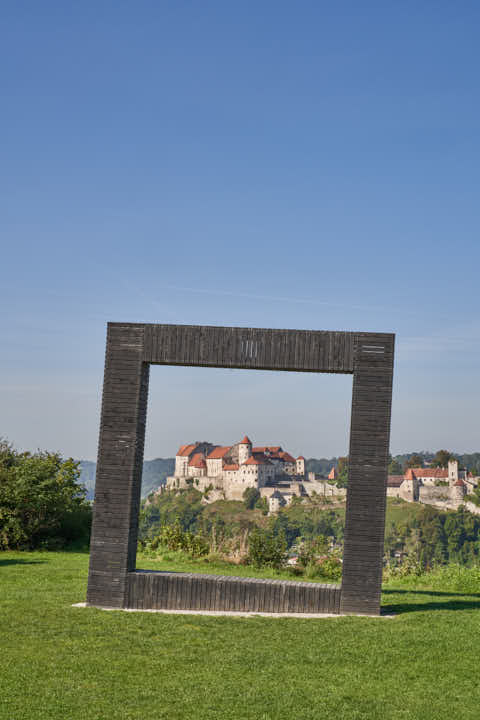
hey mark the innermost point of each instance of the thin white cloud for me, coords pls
(287, 299)
(444, 342)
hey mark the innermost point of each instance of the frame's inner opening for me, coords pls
(222, 492)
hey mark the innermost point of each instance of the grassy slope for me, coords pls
(59, 662)
(398, 511)
(180, 562)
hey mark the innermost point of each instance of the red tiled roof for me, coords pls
(300, 457)
(233, 466)
(287, 457)
(270, 448)
(262, 457)
(430, 472)
(218, 452)
(458, 483)
(186, 449)
(198, 461)
(257, 459)
(332, 475)
(246, 441)
(395, 480)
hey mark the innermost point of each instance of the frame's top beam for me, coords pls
(258, 348)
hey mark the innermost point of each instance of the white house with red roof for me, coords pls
(443, 487)
(230, 469)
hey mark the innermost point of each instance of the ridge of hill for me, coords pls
(156, 471)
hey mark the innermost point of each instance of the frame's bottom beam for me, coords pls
(189, 591)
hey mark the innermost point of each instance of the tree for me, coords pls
(413, 546)
(165, 509)
(455, 533)
(262, 504)
(342, 469)
(42, 503)
(394, 467)
(432, 537)
(441, 458)
(267, 549)
(414, 460)
(250, 497)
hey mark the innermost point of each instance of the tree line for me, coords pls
(434, 537)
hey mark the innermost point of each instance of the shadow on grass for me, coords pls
(455, 603)
(9, 561)
(435, 593)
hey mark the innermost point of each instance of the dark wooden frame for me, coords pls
(113, 580)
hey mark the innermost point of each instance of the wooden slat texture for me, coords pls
(191, 591)
(252, 348)
(131, 348)
(119, 466)
(368, 460)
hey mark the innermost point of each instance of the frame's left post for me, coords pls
(119, 466)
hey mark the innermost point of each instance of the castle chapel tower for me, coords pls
(452, 472)
(244, 450)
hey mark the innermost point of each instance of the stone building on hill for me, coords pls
(446, 488)
(227, 471)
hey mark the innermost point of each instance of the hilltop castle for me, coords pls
(227, 471)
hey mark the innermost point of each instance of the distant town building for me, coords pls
(433, 486)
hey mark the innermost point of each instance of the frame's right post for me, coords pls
(367, 477)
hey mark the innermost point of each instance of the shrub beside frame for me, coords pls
(113, 580)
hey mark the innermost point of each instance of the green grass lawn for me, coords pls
(67, 663)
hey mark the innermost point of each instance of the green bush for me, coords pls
(331, 568)
(266, 549)
(174, 537)
(310, 550)
(410, 567)
(42, 504)
(327, 568)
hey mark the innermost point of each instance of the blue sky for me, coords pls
(267, 164)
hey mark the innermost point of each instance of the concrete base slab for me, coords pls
(231, 613)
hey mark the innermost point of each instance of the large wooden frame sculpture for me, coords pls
(113, 580)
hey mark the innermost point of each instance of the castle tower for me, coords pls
(457, 492)
(244, 450)
(410, 487)
(300, 465)
(452, 472)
